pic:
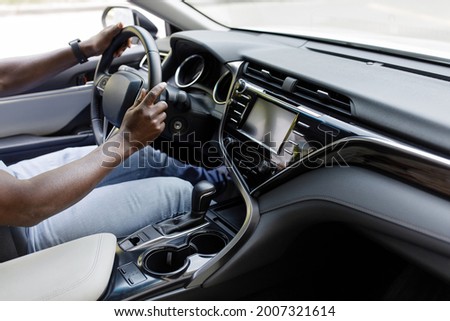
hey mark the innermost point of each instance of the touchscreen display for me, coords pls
(268, 124)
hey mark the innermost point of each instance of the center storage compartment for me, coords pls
(173, 261)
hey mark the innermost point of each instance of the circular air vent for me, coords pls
(190, 70)
(222, 88)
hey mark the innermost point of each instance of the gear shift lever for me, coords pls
(202, 195)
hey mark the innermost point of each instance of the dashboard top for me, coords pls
(405, 98)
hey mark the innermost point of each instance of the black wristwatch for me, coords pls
(77, 51)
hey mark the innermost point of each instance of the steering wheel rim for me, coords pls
(103, 84)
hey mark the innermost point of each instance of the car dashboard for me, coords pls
(313, 133)
(319, 106)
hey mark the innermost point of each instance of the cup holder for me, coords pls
(208, 243)
(166, 262)
(172, 261)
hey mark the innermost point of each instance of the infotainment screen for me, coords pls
(268, 124)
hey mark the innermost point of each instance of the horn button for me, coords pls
(120, 93)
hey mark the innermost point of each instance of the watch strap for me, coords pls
(74, 44)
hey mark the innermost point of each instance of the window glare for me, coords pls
(43, 25)
(413, 25)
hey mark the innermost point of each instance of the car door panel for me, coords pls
(15, 148)
(42, 113)
(55, 114)
(28, 123)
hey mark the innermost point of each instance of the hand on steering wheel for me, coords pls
(115, 92)
(144, 121)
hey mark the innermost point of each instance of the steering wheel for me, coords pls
(114, 93)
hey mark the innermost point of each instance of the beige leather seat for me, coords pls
(76, 270)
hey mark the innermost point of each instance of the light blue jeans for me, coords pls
(146, 188)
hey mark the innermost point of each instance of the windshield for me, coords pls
(414, 26)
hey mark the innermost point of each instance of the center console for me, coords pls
(149, 263)
(266, 132)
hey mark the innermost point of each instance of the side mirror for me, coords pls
(113, 15)
(128, 16)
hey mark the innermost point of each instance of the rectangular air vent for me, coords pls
(265, 75)
(321, 96)
(305, 90)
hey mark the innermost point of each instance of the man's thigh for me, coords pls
(35, 166)
(120, 209)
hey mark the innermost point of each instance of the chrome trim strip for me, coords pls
(216, 86)
(370, 140)
(162, 238)
(302, 124)
(407, 149)
(252, 213)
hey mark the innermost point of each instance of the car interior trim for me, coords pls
(18, 115)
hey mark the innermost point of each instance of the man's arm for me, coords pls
(28, 202)
(23, 73)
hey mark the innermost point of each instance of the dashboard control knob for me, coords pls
(177, 125)
(265, 167)
(241, 86)
(227, 141)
